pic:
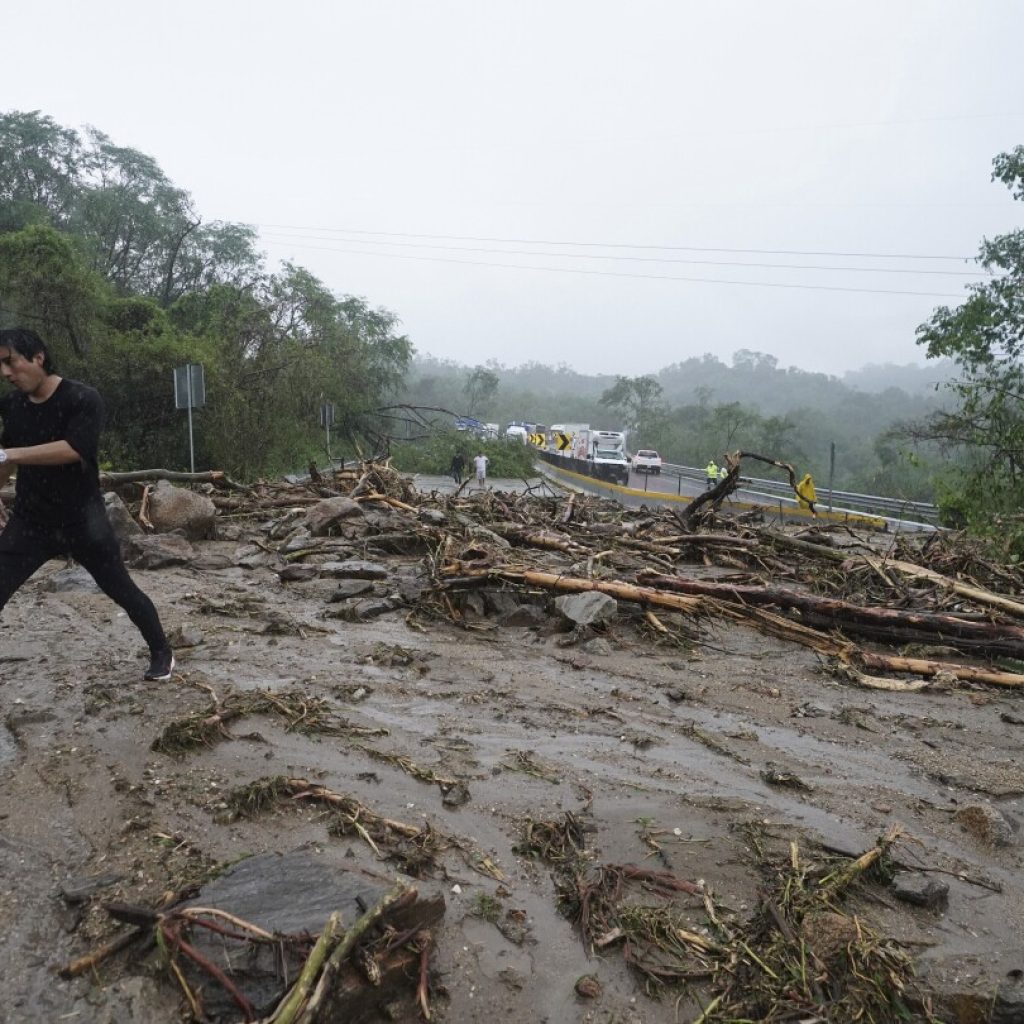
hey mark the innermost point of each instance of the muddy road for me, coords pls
(667, 748)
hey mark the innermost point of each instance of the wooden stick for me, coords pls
(108, 949)
(393, 502)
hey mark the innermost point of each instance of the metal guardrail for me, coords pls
(895, 507)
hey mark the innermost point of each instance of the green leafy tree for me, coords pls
(480, 388)
(39, 162)
(44, 281)
(985, 338)
(637, 400)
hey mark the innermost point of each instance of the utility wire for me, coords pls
(621, 273)
(641, 259)
(623, 245)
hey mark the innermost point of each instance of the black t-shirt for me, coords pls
(55, 495)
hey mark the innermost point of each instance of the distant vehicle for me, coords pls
(491, 430)
(515, 432)
(647, 460)
(470, 424)
(604, 451)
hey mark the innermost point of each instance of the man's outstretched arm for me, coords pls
(53, 453)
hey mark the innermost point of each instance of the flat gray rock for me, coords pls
(159, 552)
(354, 569)
(587, 609)
(295, 573)
(919, 889)
(351, 588)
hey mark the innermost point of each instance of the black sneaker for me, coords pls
(161, 665)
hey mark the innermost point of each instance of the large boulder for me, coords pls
(329, 512)
(179, 509)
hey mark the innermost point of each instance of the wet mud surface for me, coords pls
(666, 746)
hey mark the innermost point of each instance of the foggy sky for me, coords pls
(847, 127)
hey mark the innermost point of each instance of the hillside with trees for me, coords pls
(111, 262)
(698, 408)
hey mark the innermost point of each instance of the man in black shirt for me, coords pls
(51, 430)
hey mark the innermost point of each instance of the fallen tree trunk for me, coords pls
(979, 594)
(212, 476)
(768, 622)
(877, 623)
(858, 659)
(575, 585)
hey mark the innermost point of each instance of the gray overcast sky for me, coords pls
(853, 127)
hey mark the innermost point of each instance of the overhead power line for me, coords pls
(622, 273)
(643, 259)
(624, 245)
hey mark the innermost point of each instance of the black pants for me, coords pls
(92, 543)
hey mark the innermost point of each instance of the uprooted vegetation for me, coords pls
(908, 612)
(801, 956)
(578, 578)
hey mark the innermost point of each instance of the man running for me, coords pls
(51, 430)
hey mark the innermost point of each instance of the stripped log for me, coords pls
(889, 624)
(761, 618)
(213, 476)
(573, 584)
(859, 659)
(544, 539)
(974, 593)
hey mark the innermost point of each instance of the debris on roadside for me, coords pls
(286, 939)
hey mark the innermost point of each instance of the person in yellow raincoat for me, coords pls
(805, 493)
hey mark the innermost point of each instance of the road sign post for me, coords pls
(190, 393)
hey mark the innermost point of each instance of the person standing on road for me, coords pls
(458, 467)
(480, 462)
(51, 431)
(712, 473)
(806, 494)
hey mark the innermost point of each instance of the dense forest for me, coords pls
(111, 262)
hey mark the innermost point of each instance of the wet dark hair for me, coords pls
(27, 344)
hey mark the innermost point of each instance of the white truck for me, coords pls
(605, 453)
(646, 460)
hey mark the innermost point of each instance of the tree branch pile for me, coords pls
(929, 607)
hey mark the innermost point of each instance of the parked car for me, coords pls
(647, 461)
